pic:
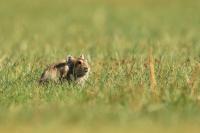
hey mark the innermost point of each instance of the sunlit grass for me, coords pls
(116, 37)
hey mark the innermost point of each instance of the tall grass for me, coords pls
(116, 37)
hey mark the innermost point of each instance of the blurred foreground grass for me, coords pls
(116, 37)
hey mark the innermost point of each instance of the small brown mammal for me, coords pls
(72, 70)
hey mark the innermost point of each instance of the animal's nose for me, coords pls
(85, 69)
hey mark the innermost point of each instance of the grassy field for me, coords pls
(124, 41)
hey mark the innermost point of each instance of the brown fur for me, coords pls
(72, 69)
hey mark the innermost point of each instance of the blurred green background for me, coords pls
(115, 36)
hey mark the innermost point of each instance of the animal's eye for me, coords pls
(79, 62)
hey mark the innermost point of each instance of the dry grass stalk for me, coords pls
(192, 81)
(153, 82)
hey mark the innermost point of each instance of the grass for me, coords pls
(116, 37)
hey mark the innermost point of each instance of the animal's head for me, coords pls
(79, 66)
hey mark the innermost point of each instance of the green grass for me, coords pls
(116, 37)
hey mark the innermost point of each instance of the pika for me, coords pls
(72, 69)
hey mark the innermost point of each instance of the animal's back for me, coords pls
(54, 72)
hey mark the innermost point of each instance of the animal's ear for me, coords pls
(82, 56)
(69, 58)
